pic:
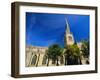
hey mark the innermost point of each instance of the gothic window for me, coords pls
(69, 38)
(34, 60)
(44, 60)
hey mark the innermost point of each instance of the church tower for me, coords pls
(69, 39)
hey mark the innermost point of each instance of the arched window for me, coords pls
(44, 60)
(70, 38)
(34, 60)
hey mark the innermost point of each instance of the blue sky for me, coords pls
(45, 29)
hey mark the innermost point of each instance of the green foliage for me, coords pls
(54, 52)
(72, 54)
(72, 50)
(85, 48)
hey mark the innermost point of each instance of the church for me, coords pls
(69, 38)
(36, 55)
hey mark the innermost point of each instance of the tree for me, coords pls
(72, 55)
(85, 48)
(54, 52)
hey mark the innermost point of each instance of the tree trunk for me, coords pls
(57, 62)
(80, 60)
(48, 62)
(65, 60)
